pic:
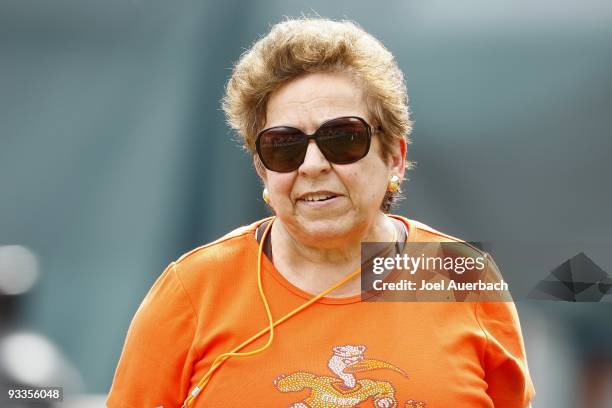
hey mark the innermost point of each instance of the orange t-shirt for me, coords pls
(339, 352)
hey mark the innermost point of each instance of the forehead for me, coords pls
(310, 100)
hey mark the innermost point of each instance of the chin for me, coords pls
(324, 232)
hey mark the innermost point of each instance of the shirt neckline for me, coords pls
(269, 267)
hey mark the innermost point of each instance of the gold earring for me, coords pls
(394, 184)
(266, 196)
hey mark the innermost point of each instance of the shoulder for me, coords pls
(420, 232)
(222, 248)
(459, 250)
(457, 246)
(219, 259)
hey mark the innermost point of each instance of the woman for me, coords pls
(322, 107)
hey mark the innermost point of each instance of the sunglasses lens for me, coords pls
(344, 141)
(282, 149)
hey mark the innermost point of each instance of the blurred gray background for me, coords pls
(115, 158)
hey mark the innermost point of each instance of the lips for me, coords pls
(317, 196)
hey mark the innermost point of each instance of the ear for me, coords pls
(397, 160)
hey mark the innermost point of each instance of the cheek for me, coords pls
(280, 185)
(366, 186)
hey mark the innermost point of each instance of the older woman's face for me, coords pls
(354, 191)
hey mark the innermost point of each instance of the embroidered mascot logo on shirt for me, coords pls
(344, 390)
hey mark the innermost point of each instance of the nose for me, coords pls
(315, 162)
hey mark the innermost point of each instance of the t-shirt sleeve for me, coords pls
(156, 362)
(505, 363)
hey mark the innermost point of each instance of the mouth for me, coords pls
(317, 197)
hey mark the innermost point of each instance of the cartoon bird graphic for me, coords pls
(344, 390)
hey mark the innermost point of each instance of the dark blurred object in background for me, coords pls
(27, 359)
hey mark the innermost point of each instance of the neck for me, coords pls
(314, 268)
(340, 250)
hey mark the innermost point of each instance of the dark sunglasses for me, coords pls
(342, 141)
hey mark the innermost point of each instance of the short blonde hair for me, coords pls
(305, 45)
